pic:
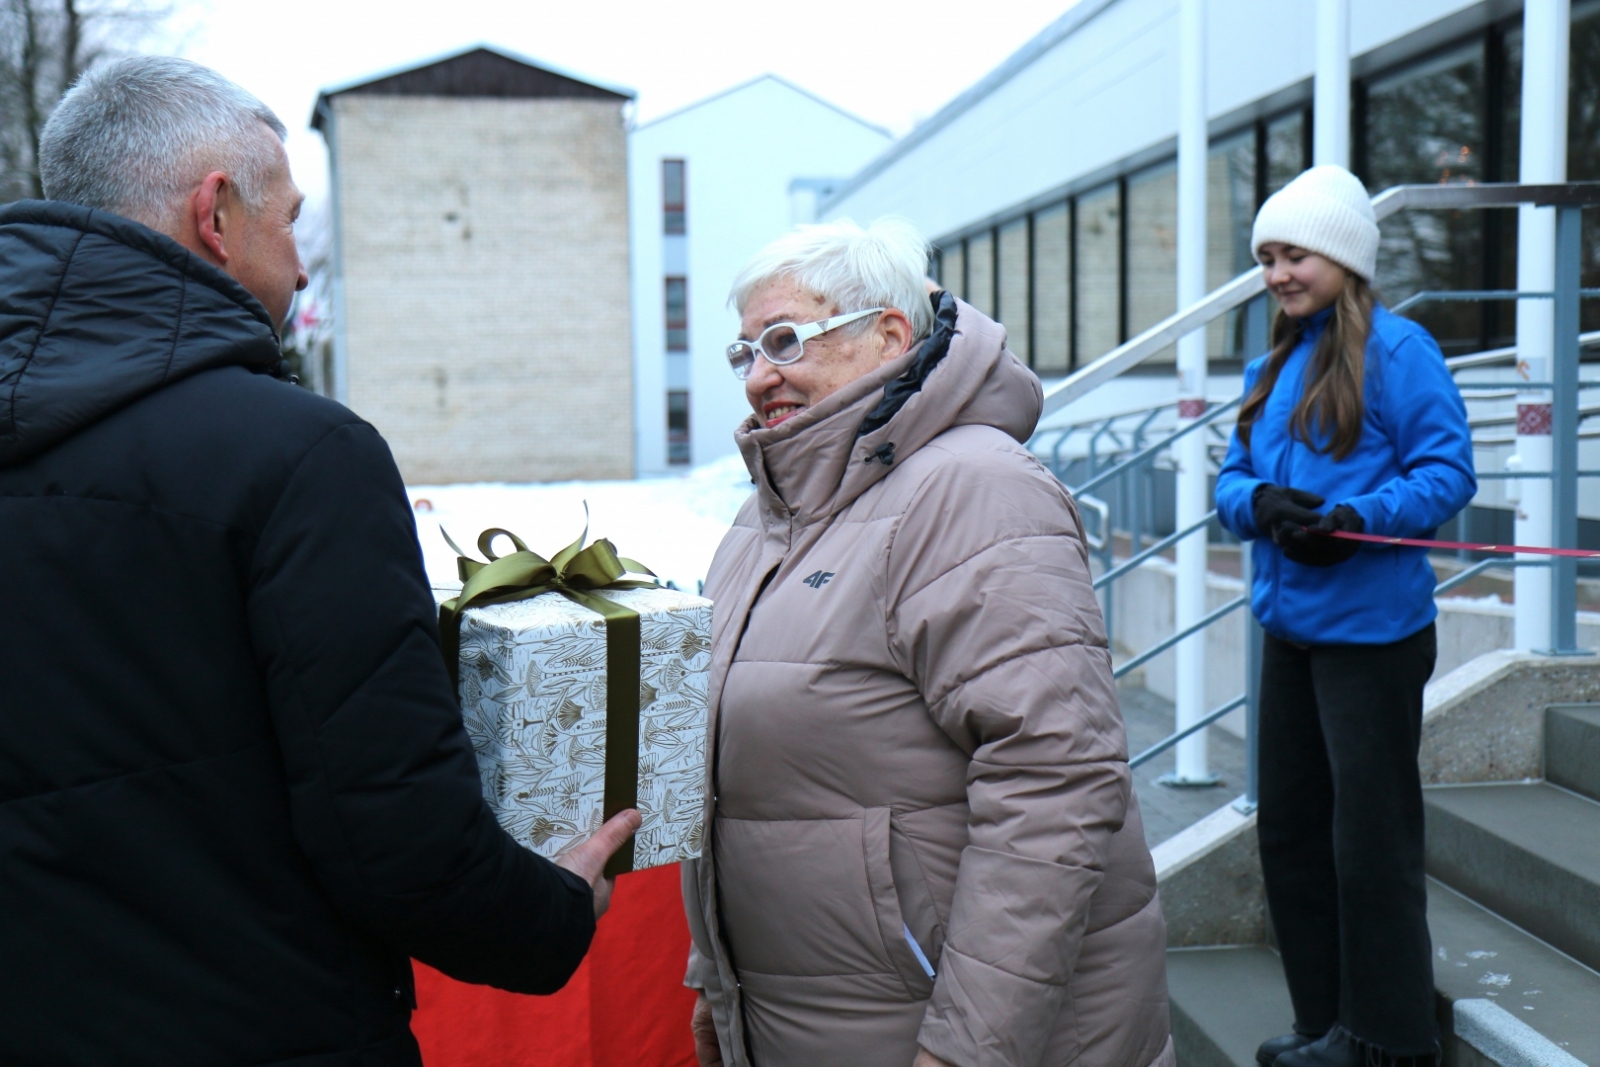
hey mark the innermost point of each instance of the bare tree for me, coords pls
(44, 46)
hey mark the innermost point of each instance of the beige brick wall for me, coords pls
(484, 246)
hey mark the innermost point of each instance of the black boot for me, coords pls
(1267, 1055)
(1340, 1048)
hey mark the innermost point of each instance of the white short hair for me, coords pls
(883, 265)
(134, 137)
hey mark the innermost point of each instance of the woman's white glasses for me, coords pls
(784, 342)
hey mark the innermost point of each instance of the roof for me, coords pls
(791, 86)
(480, 71)
(1046, 39)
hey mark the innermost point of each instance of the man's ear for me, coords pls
(215, 209)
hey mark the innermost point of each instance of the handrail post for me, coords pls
(1247, 803)
(1564, 419)
(1190, 452)
(1542, 158)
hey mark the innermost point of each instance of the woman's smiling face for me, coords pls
(1303, 282)
(831, 361)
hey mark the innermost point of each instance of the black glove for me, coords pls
(1285, 515)
(1281, 512)
(1321, 550)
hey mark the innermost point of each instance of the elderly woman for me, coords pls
(924, 844)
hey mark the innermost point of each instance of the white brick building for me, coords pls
(480, 207)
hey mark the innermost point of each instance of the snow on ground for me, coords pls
(671, 524)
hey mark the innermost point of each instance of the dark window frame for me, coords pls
(675, 214)
(678, 437)
(677, 330)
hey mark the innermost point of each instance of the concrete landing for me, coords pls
(1225, 1002)
(1166, 811)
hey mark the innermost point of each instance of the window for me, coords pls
(1152, 248)
(953, 273)
(678, 427)
(1425, 124)
(1052, 290)
(673, 210)
(677, 314)
(1284, 151)
(1583, 142)
(1583, 138)
(1098, 278)
(1015, 300)
(1230, 216)
(980, 273)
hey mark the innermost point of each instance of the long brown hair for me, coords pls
(1332, 405)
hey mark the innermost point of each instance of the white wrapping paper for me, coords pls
(533, 693)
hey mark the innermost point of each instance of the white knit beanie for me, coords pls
(1325, 211)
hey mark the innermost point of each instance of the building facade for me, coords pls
(711, 184)
(1050, 187)
(481, 289)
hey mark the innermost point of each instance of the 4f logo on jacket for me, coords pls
(817, 579)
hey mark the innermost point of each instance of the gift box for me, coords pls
(534, 696)
(583, 701)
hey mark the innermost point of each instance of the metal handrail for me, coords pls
(1155, 449)
(1447, 295)
(1166, 542)
(1252, 282)
(1173, 738)
(1165, 643)
(1490, 357)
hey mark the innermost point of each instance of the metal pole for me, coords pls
(1252, 693)
(1190, 451)
(1545, 25)
(1564, 431)
(1331, 91)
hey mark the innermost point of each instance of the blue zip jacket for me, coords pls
(1410, 471)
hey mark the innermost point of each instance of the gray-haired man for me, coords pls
(235, 792)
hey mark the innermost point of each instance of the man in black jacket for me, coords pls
(236, 796)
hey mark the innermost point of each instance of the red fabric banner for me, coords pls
(626, 1006)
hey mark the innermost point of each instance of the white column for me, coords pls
(1545, 31)
(1193, 498)
(1330, 117)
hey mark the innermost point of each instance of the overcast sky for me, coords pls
(893, 62)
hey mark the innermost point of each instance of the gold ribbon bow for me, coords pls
(574, 572)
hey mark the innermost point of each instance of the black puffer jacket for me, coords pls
(235, 790)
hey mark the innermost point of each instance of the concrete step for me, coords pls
(1530, 852)
(1225, 1002)
(1478, 955)
(1572, 747)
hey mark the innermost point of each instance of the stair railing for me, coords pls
(1137, 456)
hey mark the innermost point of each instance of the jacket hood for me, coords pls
(97, 311)
(962, 374)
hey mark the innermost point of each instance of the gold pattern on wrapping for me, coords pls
(533, 694)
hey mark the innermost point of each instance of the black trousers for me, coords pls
(1341, 831)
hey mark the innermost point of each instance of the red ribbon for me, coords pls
(1375, 539)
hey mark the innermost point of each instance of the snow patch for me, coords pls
(670, 524)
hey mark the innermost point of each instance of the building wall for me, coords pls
(1104, 92)
(742, 150)
(484, 259)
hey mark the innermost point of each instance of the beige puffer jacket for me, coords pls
(915, 735)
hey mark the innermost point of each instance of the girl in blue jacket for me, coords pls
(1350, 423)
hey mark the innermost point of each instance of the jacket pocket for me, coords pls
(911, 952)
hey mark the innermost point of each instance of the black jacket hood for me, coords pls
(97, 311)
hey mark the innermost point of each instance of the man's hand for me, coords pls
(706, 1049)
(588, 860)
(928, 1059)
